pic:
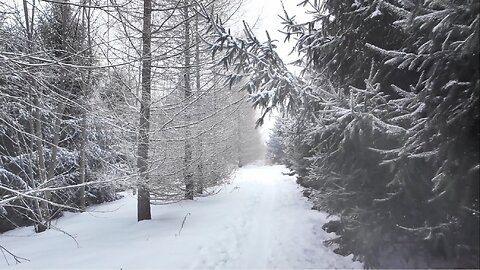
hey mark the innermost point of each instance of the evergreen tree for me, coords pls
(385, 121)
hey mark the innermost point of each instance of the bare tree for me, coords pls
(143, 210)
(189, 182)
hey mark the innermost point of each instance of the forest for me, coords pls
(97, 99)
(164, 98)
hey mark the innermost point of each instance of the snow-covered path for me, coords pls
(259, 221)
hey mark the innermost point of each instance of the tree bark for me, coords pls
(35, 127)
(143, 199)
(57, 125)
(81, 192)
(83, 162)
(239, 139)
(200, 185)
(42, 172)
(37, 212)
(55, 141)
(188, 176)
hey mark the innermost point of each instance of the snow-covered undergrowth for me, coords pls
(260, 220)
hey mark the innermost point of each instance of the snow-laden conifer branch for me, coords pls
(399, 128)
(256, 65)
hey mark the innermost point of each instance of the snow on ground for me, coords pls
(260, 220)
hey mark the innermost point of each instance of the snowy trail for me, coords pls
(259, 221)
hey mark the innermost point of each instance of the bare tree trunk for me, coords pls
(50, 172)
(239, 139)
(42, 172)
(36, 205)
(200, 184)
(83, 163)
(143, 199)
(215, 108)
(55, 141)
(81, 192)
(53, 162)
(188, 177)
(41, 225)
(41, 208)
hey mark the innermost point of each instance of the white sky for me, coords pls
(268, 11)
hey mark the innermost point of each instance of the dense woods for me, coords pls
(382, 125)
(392, 146)
(99, 97)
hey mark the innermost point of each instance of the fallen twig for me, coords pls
(17, 259)
(183, 223)
(66, 233)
